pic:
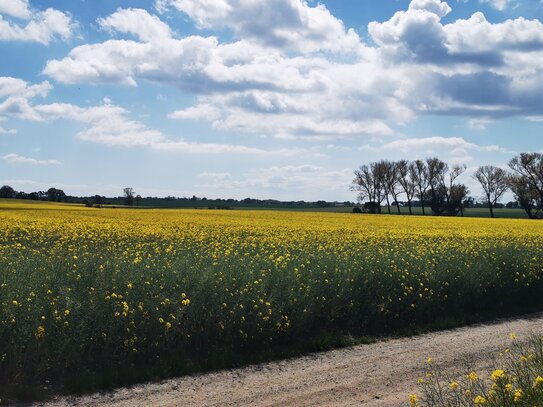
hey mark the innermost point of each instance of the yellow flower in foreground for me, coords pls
(508, 387)
(512, 336)
(497, 374)
(538, 380)
(453, 386)
(479, 400)
(429, 360)
(40, 332)
(472, 376)
(518, 395)
(413, 400)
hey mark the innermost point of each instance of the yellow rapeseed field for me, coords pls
(113, 295)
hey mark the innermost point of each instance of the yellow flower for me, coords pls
(168, 325)
(40, 332)
(14, 302)
(517, 395)
(413, 400)
(512, 336)
(67, 312)
(185, 302)
(538, 381)
(429, 360)
(508, 387)
(479, 400)
(453, 386)
(421, 380)
(497, 374)
(472, 376)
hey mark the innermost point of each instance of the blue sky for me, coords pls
(269, 99)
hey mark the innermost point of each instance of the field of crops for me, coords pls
(93, 297)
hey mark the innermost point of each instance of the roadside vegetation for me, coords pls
(515, 380)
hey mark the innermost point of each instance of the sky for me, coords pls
(278, 99)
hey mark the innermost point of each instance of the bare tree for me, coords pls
(379, 170)
(494, 182)
(421, 180)
(527, 183)
(128, 196)
(441, 181)
(366, 185)
(406, 178)
(392, 182)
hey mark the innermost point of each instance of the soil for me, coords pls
(380, 374)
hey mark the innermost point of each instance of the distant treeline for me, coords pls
(129, 198)
(434, 183)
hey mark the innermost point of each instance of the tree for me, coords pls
(392, 181)
(381, 174)
(441, 182)
(7, 192)
(128, 196)
(56, 195)
(407, 173)
(366, 184)
(527, 183)
(494, 181)
(421, 180)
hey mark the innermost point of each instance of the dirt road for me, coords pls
(380, 374)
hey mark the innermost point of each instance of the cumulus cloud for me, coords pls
(15, 8)
(137, 22)
(307, 76)
(291, 24)
(38, 26)
(111, 125)
(13, 158)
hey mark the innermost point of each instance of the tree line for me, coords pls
(52, 194)
(435, 184)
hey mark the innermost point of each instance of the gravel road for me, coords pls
(381, 374)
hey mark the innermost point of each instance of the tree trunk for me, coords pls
(388, 205)
(409, 204)
(491, 210)
(422, 204)
(398, 206)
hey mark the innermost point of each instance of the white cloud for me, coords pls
(17, 87)
(13, 158)
(479, 123)
(199, 112)
(15, 8)
(429, 145)
(285, 24)
(137, 22)
(111, 125)
(497, 4)
(41, 26)
(7, 131)
(316, 79)
(308, 181)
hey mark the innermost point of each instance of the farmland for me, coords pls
(94, 297)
